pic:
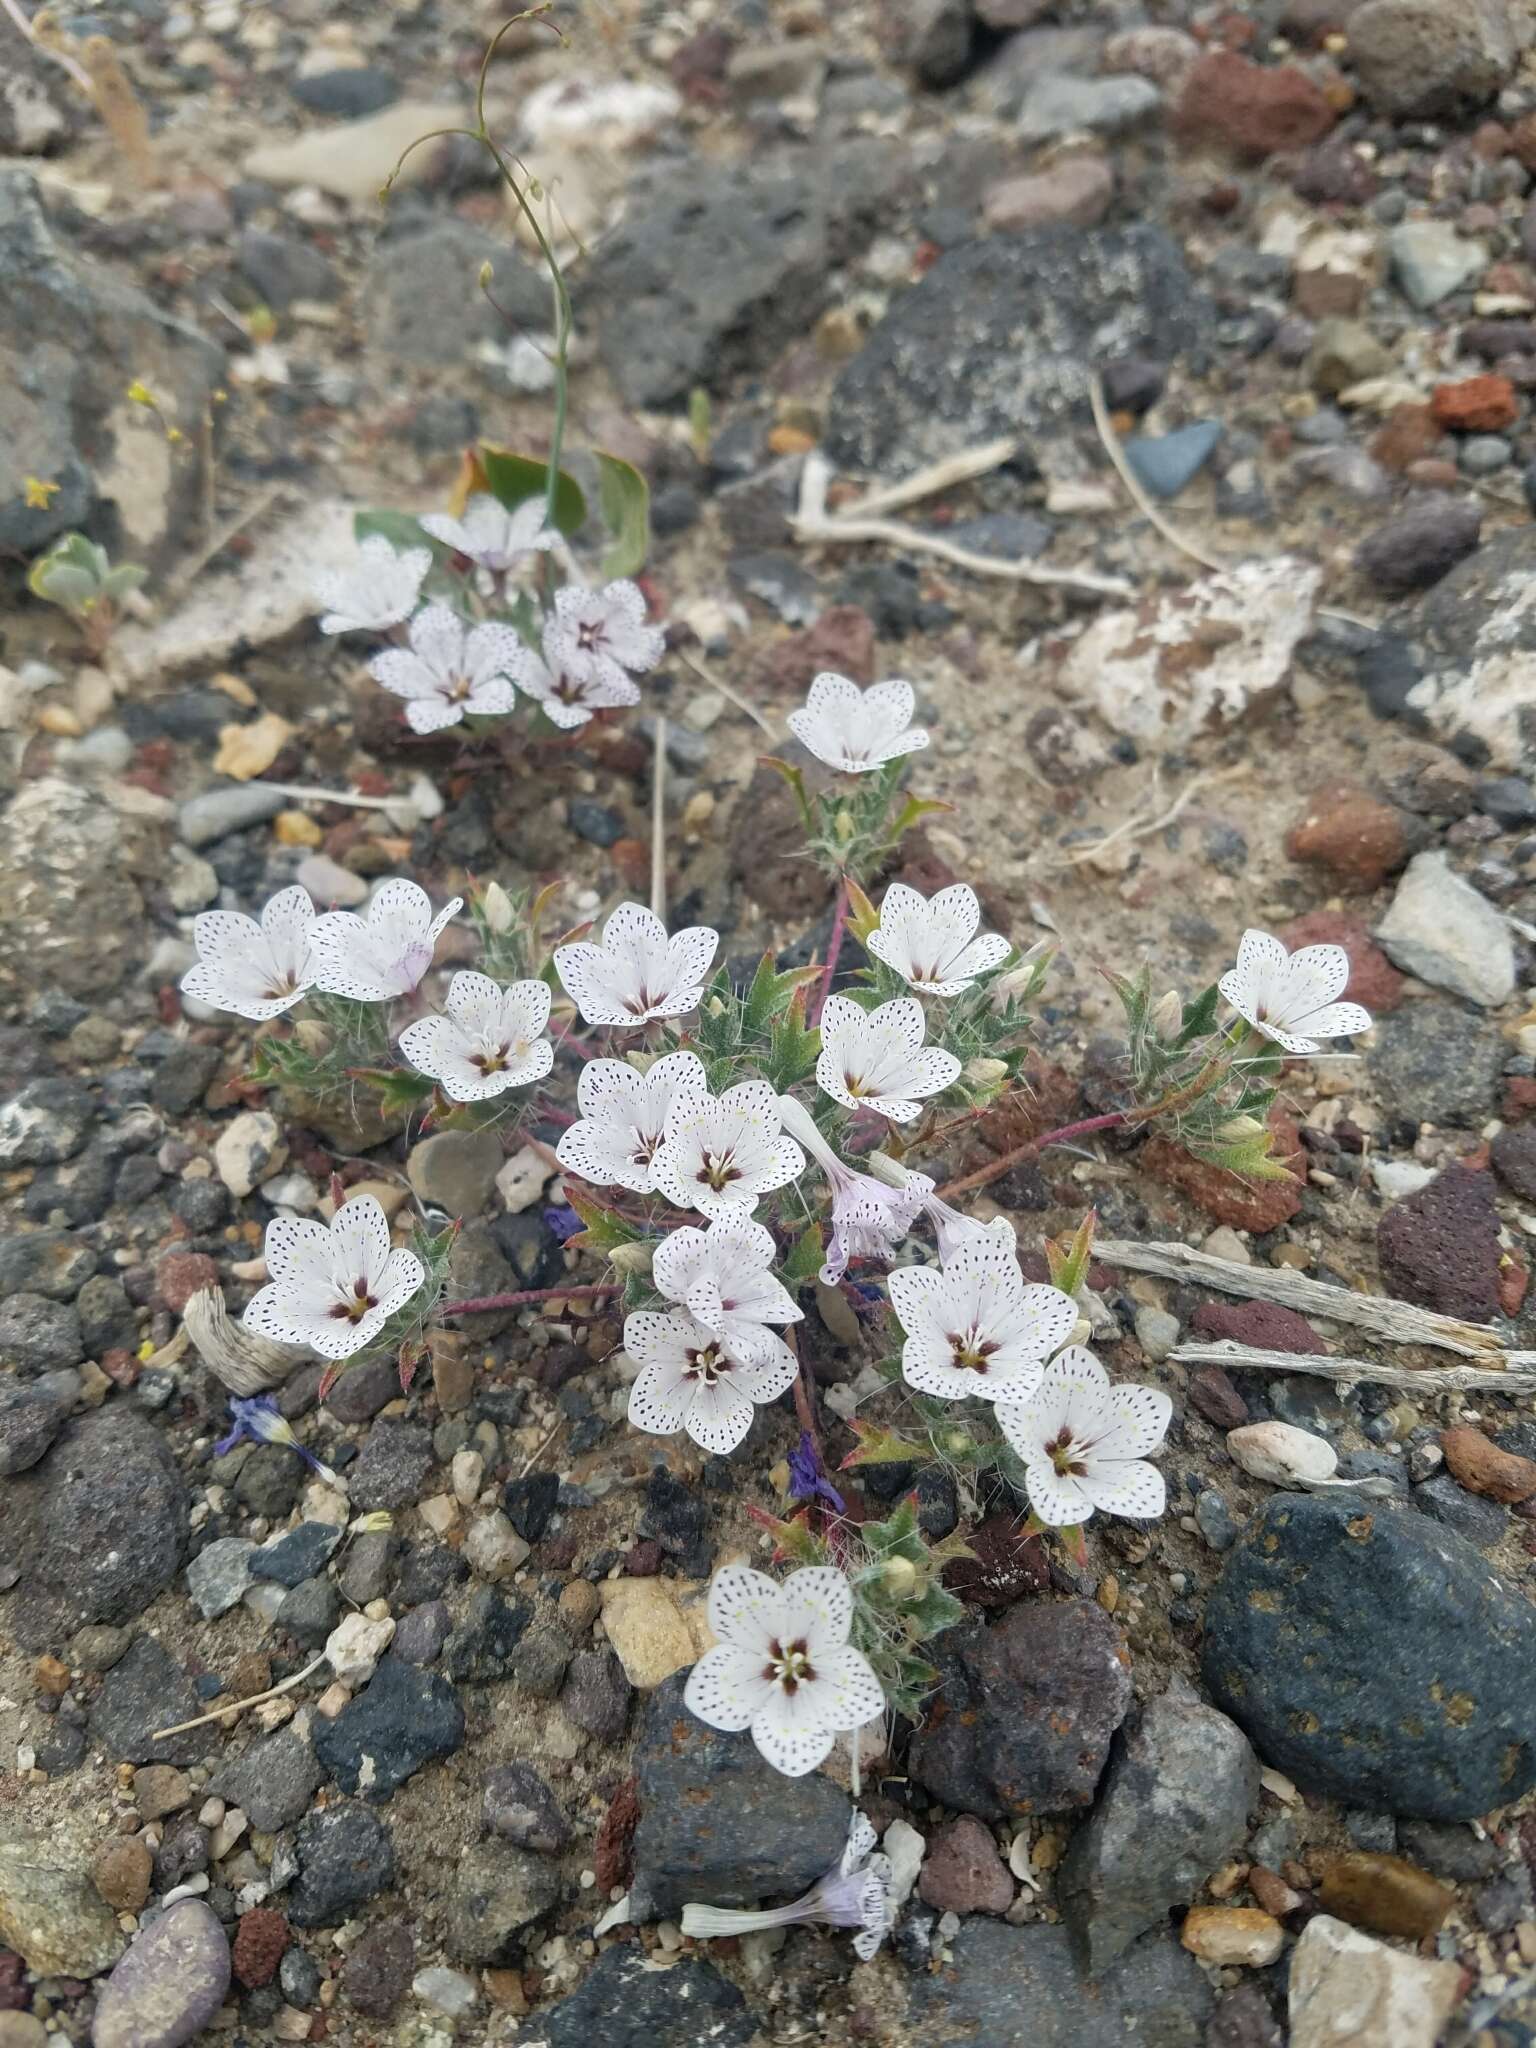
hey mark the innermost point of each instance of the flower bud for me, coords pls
(634, 1257)
(1239, 1130)
(842, 825)
(884, 1168)
(312, 1035)
(985, 1072)
(899, 1577)
(496, 908)
(1168, 1016)
(486, 276)
(715, 1007)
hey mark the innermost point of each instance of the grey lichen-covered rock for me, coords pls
(73, 337)
(1173, 1808)
(1021, 1987)
(499, 1892)
(51, 1914)
(1472, 642)
(1425, 59)
(32, 1412)
(71, 915)
(999, 337)
(624, 2003)
(718, 1825)
(170, 1983)
(1441, 929)
(1376, 1658)
(273, 1782)
(1436, 1062)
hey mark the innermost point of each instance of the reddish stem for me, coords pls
(996, 1168)
(834, 947)
(483, 1304)
(805, 1399)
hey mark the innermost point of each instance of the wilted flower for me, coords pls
(255, 970)
(385, 953)
(1293, 997)
(857, 730)
(808, 1476)
(378, 590)
(449, 671)
(855, 1892)
(783, 1665)
(257, 1419)
(870, 1217)
(332, 1289)
(876, 1059)
(953, 1230)
(721, 1152)
(931, 942)
(603, 633)
(489, 1040)
(975, 1327)
(492, 537)
(624, 1117)
(692, 1379)
(637, 973)
(569, 695)
(1084, 1442)
(722, 1276)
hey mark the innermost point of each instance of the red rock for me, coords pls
(962, 1872)
(1263, 1324)
(1077, 190)
(1250, 109)
(260, 1940)
(1433, 473)
(1514, 1280)
(1359, 839)
(1411, 434)
(179, 1275)
(1440, 1247)
(1006, 1564)
(1477, 405)
(1519, 1098)
(1213, 1395)
(1481, 1467)
(1245, 1204)
(843, 639)
(1373, 980)
(613, 1851)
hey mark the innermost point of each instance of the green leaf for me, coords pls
(937, 1609)
(626, 501)
(61, 583)
(878, 1445)
(605, 1228)
(804, 1261)
(400, 529)
(760, 1002)
(516, 478)
(1199, 1016)
(397, 1087)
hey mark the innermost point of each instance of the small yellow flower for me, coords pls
(140, 393)
(38, 492)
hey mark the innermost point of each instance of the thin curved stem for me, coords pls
(834, 948)
(485, 1304)
(1021, 1154)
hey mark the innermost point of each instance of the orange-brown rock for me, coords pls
(1249, 109)
(1411, 434)
(1481, 1467)
(1256, 1205)
(1385, 1893)
(1359, 839)
(1476, 405)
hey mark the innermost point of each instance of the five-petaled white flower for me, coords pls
(637, 973)
(492, 537)
(721, 1152)
(931, 942)
(378, 590)
(332, 1289)
(870, 1217)
(450, 670)
(783, 1665)
(855, 1892)
(624, 1117)
(255, 970)
(1084, 1443)
(384, 954)
(857, 730)
(876, 1059)
(694, 1379)
(603, 633)
(569, 696)
(952, 1229)
(721, 1276)
(975, 1327)
(491, 1038)
(1293, 997)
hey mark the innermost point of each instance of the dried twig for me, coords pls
(231, 1708)
(1398, 1321)
(1133, 484)
(1134, 828)
(659, 820)
(927, 483)
(1456, 1379)
(219, 538)
(814, 526)
(730, 694)
(56, 51)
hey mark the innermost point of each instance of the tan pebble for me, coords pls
(1048, 1852)
(160, 1789)
(1387, 1894)
(1238, 1935)
(50, 1676)
(1481, 1467)
(296, 828)
(1295, 1256)
(579, 1603)
(1227, 1880)
(1109, 1593)
(331, 1701)
(60, 721)
(504, 1988)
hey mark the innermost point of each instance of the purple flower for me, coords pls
(561, 1221)
(808, 1478)
(256, 1419)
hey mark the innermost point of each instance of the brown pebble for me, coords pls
(1272, 1892)
(1481, 1467)
(1233, 1934)
(51, 1677)
(252, 1674)
(1385, 1893)
(1356, 837)
(121, 1871)
(160, 1789)
(579, 1604)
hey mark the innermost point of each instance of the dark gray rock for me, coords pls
(499, 1892)
(183, 1853)
(1019, 1987)
(46, 1122)
(540, 1660)
(717, 1823)
(1436, 1061)
(1375, 1658)
(364, 1389)
(378, 1970)
(1419, 546)
(480, 1650)
(422, 1633)
(1439, 1246)
(391, 1467)
(107, 1320)
(1469, 636)
(53, 1263)
(1452, 1852)
(31, 1415)
(297, 1554)
(1174, 1807)
(273, 1782)
(933, 36)
(309, 1612)
(170, 1983)
(1482, 1522)
(520, 1806)
(350, 91)
(345, 1855)
(187, 1072)
(283, 269)
(366, 1568)
(270, 1481)
(999, 336)
(620, 2003)
(422, 301)
(299, 1979)
(1024, 1712)
(597, 1695)
(144, 1691)
(100, 1526)
(37, 1334)
(402, 1719)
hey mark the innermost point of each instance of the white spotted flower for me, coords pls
(721, 1152)
(1293, 997)
(450, 671)
(870, 1217)
(637, 973)
(569, 695)
(857, 730)
(255, 970)
(1084, 1443)
(783, 1666)
(722, 1277)
(876, 1059)
(603, 633)
(624, 1118)
(384, 954)
(931, 942)
(489, 1039)
(489, 535)
(693, 1379)
(332, 1288)
(974, 1327)
(377, 591)
(856, 1892)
